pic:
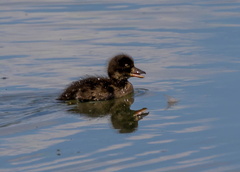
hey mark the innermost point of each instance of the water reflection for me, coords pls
(123, 118)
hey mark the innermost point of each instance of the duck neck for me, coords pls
(120, 83)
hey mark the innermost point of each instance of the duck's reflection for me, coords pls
(123, 118)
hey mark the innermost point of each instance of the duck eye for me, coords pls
(127, 65)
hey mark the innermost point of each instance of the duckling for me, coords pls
(116, 85)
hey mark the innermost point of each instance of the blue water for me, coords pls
(190, 52)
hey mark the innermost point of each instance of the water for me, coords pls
(190, 51)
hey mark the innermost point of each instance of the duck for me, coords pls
(95, 88)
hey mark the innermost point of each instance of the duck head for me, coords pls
(121, 67)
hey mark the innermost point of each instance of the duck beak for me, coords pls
(137, 72)
(139, 114)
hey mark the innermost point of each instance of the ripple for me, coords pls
(140, 92)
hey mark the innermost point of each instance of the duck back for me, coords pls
(89, 89)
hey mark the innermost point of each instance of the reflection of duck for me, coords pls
(120, 68)
(123, 118)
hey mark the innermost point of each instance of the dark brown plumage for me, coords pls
(120, 68)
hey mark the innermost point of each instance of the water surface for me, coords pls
(190, 51)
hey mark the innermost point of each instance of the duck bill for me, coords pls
(141, 112)
(137, 73)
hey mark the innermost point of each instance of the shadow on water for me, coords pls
(124, 119)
